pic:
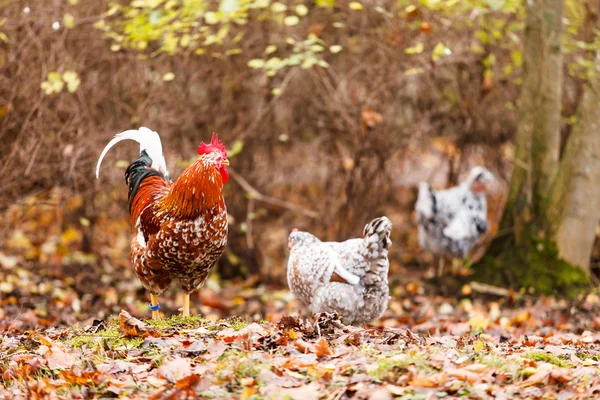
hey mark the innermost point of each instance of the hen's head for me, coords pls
(300, 238)
(216, 154)
(479, 178)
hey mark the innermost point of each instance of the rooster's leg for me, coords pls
(154, 306)
(185, 311)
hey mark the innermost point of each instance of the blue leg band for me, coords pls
(156, 307)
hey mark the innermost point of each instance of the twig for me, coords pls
(337, 394)
(489, 289)
(256, 195)
(249, 217)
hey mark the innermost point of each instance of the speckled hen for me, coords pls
(349, 278)
(450, 221)
(181, 226)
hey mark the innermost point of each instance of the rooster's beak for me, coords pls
(226, 163)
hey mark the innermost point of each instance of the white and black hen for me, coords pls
(349, 278)
(450, 221)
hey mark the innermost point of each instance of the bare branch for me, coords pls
(256, 195)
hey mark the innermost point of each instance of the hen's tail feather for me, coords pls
(377, 234)
(426, 205)
(136, 172)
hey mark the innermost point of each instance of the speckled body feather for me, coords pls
(451, 221)
(181, 226)
(349, 278)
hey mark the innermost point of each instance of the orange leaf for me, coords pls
(322, 348)
(541, 376)
(429, 381)
(304, 346)
(132, 327)
(188, 382)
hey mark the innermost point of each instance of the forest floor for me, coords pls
(424, 347)
(73, 325)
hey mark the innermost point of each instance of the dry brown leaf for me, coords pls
(175, 370)
(304, 346)
(478, 368)
(187, 382)
(429, 381)
(371, 118)
(463, 375)
(322, 348)
(562, 375)
(541, 376)
(132, 327)
(57, 356)
(85, 378)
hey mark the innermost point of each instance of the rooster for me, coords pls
(452, 220)
(348, 278)
(181, 226)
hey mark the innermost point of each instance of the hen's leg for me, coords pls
(441, 261)
(154, 306)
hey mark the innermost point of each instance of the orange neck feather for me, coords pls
(198, 188)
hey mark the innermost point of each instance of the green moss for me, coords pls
(111, 337)
(533, 264)
(237, 323)
(388, 367)
(178, 322)
(549, 358)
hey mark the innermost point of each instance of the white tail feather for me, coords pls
(148, 140)
(424, 204)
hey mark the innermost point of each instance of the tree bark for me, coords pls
(538, 135)
(528, 256)
(575, 201)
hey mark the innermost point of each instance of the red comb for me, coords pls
(215, 145)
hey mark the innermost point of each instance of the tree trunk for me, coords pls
(575, 202)
(538, 135)
(525, 255)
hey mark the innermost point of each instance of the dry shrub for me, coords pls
(335, 141)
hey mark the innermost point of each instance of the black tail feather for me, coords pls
(136, 172)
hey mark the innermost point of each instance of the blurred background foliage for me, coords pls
(333, 112)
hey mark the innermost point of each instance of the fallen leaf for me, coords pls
(175, 370)
(322, 348)
(132, 327)
(540, 376)
(429, 381)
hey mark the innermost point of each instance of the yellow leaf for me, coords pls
(70, 235)
(185, 40)
(169, 76)
(301, 10)
(69, 21)
(336, 48)
(417, 49)
(54, 77)
(291, 20)
(278, 7)
(356, 6)
(69, 76)
(270, 49)
(211, 18)
(256, 63)
(478, 345)
(479, 323)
